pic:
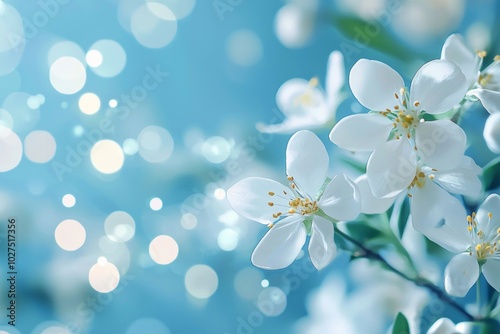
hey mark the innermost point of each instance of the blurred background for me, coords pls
(123, 123)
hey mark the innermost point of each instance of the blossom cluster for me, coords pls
(416, 149)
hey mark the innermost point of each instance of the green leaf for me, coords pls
(401, 325)
(372, 35)
(491, 174)
(404, 213)
(371, 237)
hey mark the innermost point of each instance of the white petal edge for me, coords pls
(281, 244)
(364, 132)
(455, 50)
(322, 248)
(460, 274)
(438, 86)
(491, 132)
(442, 326)
(491, 271)
(369, 203)
(307, 162)
(441, 144)
(391, 168)
(463, 180)
(490, 205)
(490, 99)
(341, 199)
(440, 217)
(250, 197)
(374, 84)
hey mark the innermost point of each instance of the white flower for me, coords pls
(443, 326)
(476, 238)
(294, 23)
(397, 134)
(284, 210)
(305, 104)
(484, 85)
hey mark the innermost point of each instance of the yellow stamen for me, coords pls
(490, 215)
(416, 104)
(270, 225)
(270, 203)
(497, 58)
(481, 54)
(396, 96)
(271, 193)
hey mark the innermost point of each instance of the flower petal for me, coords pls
(307, 162)
(374, 84)
(455, 50)
(322, 248)
(335, 77)
(442, 326)
(391, 168)
(440, 217)
(460, 274)
(289, 91)
(439, 85)
(363, 132)
(490, 205)
(490, 99)
(281, 245)
(491, 132)
(250, 198)
(369, 203)
(490, 76)
(341, 199)
(463, 180)
(440, 144)
(491, 271)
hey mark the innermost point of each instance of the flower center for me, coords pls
(404, 119)
(485, 246)
(297, 203)
(307, 98)
(420, 178)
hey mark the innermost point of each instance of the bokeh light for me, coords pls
(272, 301)
(130, 146)
(11, 148)
(228, 239)
(163, 249)
(244, 48)
(189, 221)
(67, 75)
(153, 25)
(39, 146)
(113, 103)
(65, 49)
(70, 235)
(180, 8)
(119, 226)
(69, 200)
(112, 58)
(104, 276)
(216, 149)
(201, 281)
(89, 103)
(247, 283)
(107, 156)
(93, 58)
(156, 204)
(155, 144)
(6, 119)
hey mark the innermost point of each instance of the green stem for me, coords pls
(478, 295)
(422, 282)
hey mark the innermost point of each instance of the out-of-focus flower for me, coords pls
(419, 21)
(305, 104)
(477, 240)
(397, 133)
(443, 326)
(365, 9)
(294, 23)
(293, 213)
(484, 85)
